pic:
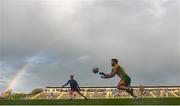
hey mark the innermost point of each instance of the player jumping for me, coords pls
(125, 81)
(74, 87)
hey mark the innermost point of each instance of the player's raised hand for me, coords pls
(102, 73)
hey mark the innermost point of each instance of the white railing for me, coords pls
(112, 92)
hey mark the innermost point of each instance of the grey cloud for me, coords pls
(78, 36)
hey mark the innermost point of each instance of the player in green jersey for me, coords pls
(125, 80)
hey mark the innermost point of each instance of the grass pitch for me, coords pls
(144, 101)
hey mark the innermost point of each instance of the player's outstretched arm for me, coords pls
(110, 75)
(65, 84)
(102, 73)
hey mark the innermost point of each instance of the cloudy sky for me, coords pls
(57, 38)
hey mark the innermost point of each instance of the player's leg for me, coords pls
(128, 83)
(71, 94)
(74, 94)
(81, 94)
(123, 86)
(131, 92)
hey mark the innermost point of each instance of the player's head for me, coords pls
(114, 62)
(71, 77)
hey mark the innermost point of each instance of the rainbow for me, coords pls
(16, 77)
(20, 72)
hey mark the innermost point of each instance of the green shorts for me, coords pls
(127, 80)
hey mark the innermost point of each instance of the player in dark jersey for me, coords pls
(125, 80)
(74, 87)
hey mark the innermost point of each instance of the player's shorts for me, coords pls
(75, 89)
(127, 80)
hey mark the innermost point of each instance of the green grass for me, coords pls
(144, 101)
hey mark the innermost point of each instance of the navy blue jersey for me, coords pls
(73, 84)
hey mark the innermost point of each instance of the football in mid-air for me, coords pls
(95, 70)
